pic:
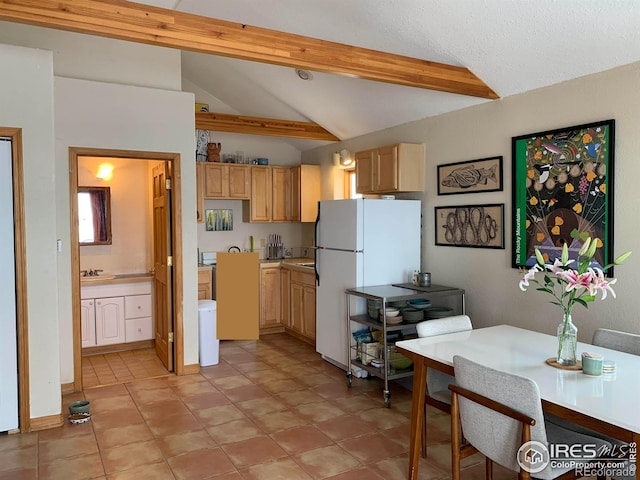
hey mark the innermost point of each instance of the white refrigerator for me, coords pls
(359, 243)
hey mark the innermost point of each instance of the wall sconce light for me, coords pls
(105, 171)
(342, 158)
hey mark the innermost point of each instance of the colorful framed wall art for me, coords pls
(219, 220)
(563, 185)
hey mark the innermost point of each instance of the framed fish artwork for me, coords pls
(470, 176)
(480, 226)
(563, 192)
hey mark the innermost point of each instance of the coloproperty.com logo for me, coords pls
(586, 459)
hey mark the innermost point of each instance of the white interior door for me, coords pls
(8, 335)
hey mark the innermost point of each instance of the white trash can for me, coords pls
(208, 337)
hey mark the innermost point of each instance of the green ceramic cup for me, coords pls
(592, 364)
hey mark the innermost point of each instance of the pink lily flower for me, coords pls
(602, 283)
(557, 266)
(576, 280)
(530, 275)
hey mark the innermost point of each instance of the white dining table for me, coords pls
(608, 403)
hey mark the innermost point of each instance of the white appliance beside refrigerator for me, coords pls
(360, 243)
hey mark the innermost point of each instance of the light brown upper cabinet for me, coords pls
(282, 185)
(227, 181)
(296, 193)
(390, 169)
(306, 193)
(259, 206)
(283, 194)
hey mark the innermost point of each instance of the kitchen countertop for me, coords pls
(266, 263)
(292, 263)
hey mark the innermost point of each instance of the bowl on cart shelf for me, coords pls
(419, 303)
(390, 311)
(392, 320)
(437, 312)
(373, 308)
(398, 304)
(412, 315)
(399, 361)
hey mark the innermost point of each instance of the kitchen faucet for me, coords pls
(90, 273)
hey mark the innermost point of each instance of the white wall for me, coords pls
(131, 244)
(101, 115)
(220, 241)
(277, 151)
(95, 58)
(493, 296)
(26, 102)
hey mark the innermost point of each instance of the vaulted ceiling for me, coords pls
(512, 46)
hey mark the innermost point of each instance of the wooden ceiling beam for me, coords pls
(135, 22)
(222, 122)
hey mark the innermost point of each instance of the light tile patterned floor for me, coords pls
(121, 367)
(271, 409)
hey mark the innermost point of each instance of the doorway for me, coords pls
(167, 265)
(16, 182)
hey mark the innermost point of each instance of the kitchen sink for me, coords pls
(95, 278)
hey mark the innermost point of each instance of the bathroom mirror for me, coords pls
(94, 215)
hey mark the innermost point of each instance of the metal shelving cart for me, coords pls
(385, 294)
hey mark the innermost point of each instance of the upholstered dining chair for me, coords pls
(438, 394)
(617, 340)
(498, 412)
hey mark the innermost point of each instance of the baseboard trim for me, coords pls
(45, 423)
(191, 369)
(117, 347)
(299, 336)
(271, 329)
(68, 388)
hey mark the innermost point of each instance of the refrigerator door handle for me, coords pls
(348, 250)
(315, 247)
(315, 266)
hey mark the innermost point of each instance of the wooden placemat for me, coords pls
(553, 361)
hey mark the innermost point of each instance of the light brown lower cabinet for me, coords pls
(288, 302)
(285, 296)
(303, 305)
(204, 284)
(270, 311)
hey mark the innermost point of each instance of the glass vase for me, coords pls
(567, 342)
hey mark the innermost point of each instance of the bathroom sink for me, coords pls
(96, 278)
